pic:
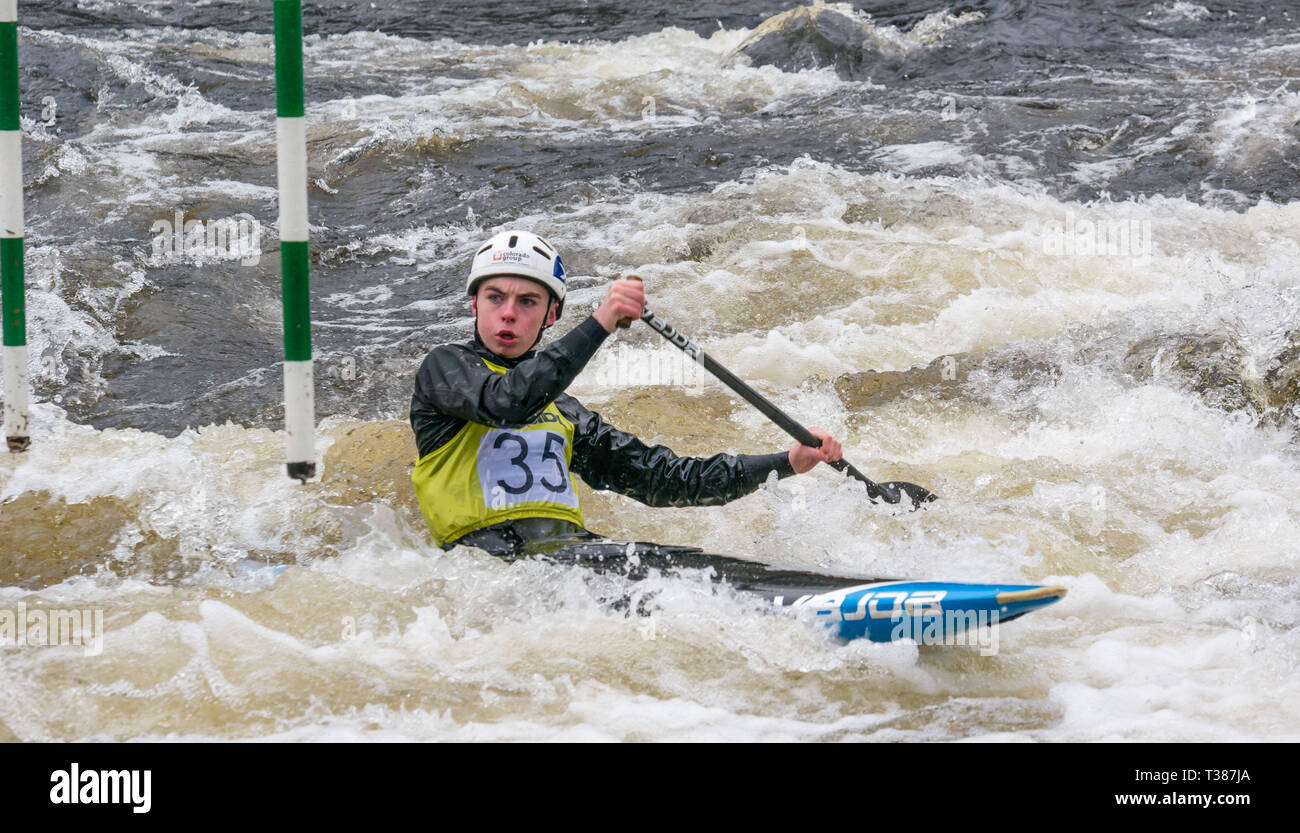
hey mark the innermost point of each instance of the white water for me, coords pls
(1171, 522)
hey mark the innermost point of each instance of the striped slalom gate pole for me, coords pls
(11, 235)
(291, 145)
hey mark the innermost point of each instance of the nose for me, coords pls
(508, 310)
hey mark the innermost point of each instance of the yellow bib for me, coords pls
(486, 475)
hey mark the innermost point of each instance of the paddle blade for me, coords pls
(893, 492)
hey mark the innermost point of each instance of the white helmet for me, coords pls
(519, 254)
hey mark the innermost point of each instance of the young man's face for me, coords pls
(511, 312)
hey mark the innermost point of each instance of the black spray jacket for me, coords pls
(454, 386)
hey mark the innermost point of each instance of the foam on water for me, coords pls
(645, 86)
(530, 650)
(1062, 452)
(1252, 132)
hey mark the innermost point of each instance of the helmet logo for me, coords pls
(518, 254)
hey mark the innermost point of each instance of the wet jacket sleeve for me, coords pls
(453, 386)
(607, 458)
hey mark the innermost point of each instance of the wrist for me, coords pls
(605, 321)
(596, 328)
(760, 466)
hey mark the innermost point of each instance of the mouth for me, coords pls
(507, 336)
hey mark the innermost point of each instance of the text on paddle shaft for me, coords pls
(672, 335)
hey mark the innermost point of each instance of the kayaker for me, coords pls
(499, 440)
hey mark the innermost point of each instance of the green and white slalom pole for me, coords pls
(291, 143)
(11, 235)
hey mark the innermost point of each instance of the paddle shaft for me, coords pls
(772, 412)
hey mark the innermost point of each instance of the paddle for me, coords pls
(891, 492)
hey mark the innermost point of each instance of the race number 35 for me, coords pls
(523, 466)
